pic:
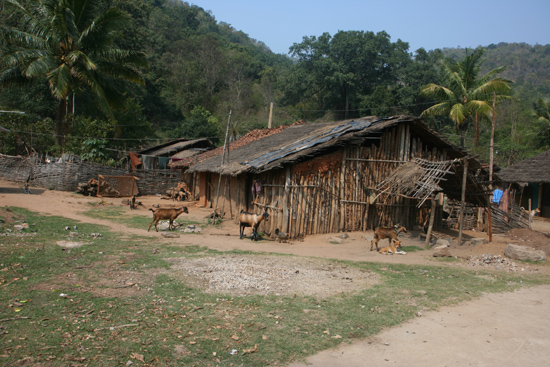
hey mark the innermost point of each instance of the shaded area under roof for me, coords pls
(535, 169)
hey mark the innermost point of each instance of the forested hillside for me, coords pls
(199, 68)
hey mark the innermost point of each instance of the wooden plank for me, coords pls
(286, 208)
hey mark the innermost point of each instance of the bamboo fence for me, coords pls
(67, 176)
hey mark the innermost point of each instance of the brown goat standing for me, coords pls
(166, 214)
(390, 233)
(251, 220)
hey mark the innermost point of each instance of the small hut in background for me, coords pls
(160, 156)
(194, 179)
(527, 183)
(342, 176)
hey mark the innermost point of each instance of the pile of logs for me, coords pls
(179, 193)
(88, 188)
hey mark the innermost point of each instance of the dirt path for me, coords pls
(504, 330)
(509, 329)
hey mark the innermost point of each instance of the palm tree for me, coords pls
(70, 43)
(466, 96)
(541, 111)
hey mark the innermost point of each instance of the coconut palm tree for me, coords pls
(70, 44)
(541, 112)
(466, 95)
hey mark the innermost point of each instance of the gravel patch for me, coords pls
(271, 275)
(496, 262)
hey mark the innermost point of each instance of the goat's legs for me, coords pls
(374, 242)
(150, 224)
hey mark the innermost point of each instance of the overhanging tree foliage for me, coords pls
(70, 44)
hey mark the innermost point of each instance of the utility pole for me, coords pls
(270, 116)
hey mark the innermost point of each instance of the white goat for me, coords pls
(251, 220)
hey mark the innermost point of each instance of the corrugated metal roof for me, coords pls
(302, 141)
(318, 137)
(173, 147)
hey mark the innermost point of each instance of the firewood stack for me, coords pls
(88, 188)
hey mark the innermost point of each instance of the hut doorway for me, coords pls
(545, 201)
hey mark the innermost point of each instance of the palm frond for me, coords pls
(438, 92)
(60, 81)
(458, 114)
(438, 109)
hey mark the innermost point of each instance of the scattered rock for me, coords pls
(478, 241)
(443, 243)
(523, 253)
(170, 235)
(70, 244)
(192, 229)
(496, 262)
(21, 227)
(442, 252)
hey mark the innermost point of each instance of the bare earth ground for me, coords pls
(508, 329)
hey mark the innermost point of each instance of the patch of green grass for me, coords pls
(116, 300)
(133, 221)
(412, 248)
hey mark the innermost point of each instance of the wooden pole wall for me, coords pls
(304, 199)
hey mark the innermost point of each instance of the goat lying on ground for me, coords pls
(391, 249)
(251, 220)
(390, 233)
(166, 214)
(281, 236)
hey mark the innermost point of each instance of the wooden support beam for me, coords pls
(462, 201)
(432, 220)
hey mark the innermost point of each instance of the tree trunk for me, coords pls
(60, 123)
(476, 131)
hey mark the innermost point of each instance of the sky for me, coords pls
(429, 24)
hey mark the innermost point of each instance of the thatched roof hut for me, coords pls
(529, 182)
(161, 156)
(335, 168)
(534, 169)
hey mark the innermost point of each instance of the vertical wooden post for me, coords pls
(432, 220)
(342, 191)
(286, 209)
(462, 200)
(491, 163)
(223, 162)
(270, 115)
